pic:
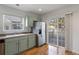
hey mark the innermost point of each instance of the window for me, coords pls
(12, 23)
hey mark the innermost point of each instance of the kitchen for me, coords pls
(16, 33)
(38, 28)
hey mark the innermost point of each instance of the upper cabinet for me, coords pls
(31, 19)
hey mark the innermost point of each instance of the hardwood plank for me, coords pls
(47, 50)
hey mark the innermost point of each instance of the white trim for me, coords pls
(26, 23)
(14, 30)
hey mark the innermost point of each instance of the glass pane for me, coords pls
(52, 29)
(13, 22)
(14, 26)
(61, 38)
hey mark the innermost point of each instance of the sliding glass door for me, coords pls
(52, 32)
(56, 33)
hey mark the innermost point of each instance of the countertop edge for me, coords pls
(14, 36)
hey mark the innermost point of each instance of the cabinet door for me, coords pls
(31, 19)
(32, 41)
(23, 44)
(11, 46)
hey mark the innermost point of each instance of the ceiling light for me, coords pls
(39, 9)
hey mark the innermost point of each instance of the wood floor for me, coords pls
(47, 50)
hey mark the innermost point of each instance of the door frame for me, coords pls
(47, 40)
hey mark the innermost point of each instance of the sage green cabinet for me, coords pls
(32, 41)
(11, 46)
(16, 45)
(23, 44)
(31, 19)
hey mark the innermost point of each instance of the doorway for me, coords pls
(56, 32)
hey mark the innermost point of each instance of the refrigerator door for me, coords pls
(43, 32)
(40, 31)
(40, 41)
(42, 35)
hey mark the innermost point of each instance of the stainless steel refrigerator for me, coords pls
(39, 29)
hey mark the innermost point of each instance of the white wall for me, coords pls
(74, 22)
(75, 33)
(12, 11)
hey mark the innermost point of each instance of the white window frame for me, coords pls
(12, 29)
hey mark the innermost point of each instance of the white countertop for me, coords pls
(15, 35)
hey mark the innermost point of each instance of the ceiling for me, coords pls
(34, 7)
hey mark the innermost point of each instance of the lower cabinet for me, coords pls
(11, 46)
(32, 41)
(23, 44)
(18, 44)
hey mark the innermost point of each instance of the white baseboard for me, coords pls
(75, 52)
